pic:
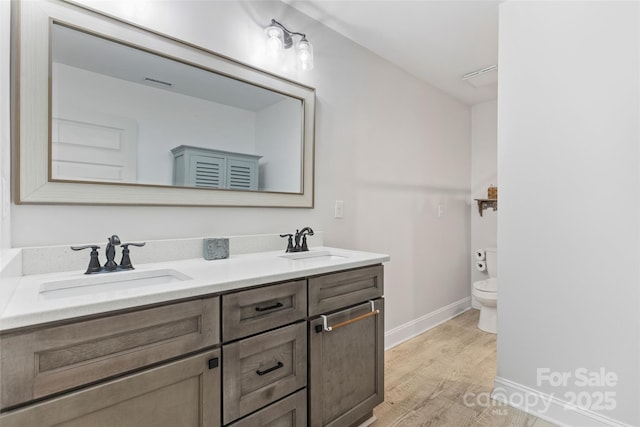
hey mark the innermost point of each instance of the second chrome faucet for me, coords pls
(110, 252)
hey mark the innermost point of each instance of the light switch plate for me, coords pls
(339, 209)
(215, 248)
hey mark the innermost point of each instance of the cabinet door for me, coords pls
(49, 360)
(242, 174)
(185, 393)
(346, 366)
(206, 171)
(262, 369)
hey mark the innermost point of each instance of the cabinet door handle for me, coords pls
(328, 328)
(270, 307)
(271, 369)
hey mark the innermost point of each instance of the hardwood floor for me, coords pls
(444, 378)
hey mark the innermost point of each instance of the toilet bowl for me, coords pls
(486, 293)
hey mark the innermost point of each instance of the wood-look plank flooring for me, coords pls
(443, 378)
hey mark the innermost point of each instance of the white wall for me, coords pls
(5, 152)
(484, 172)
(279, 146)
(389, 145)
(164, 119)
(568, 163)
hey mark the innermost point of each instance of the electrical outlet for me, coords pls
(339, 209)
(215, 248)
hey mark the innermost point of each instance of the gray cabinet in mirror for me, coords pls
(206, 168)
(99, 115)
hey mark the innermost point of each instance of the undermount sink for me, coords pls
(106, 282)
(321, 255)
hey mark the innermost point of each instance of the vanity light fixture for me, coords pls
(279, 37)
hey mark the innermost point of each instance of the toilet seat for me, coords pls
(486, 286)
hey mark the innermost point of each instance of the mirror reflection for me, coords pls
(120, 114)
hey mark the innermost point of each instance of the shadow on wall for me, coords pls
(426, 232)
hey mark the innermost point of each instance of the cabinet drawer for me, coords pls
(52, 359)
(262, 369)
(289, 412)
(182, 393)
(337, 290)
(256, 310)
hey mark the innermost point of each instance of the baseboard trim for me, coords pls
(369, 421)
(402, 333)
(548, 407)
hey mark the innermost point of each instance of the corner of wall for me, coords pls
(5, 128)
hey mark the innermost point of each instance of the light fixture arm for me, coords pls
(280, 37)
(288, 40)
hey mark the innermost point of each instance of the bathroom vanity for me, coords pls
(266, 340)
(260, 338)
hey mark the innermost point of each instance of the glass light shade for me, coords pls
(305, 55)
(274, 40)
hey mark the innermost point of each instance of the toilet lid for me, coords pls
(489, 285)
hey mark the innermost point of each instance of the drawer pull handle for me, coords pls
(271, 369)
(270, 307)
(327, 328)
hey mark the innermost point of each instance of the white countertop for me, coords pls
(22, 303)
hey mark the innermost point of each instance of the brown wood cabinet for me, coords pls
(303, 352)
(346, 365)
(346, 346)
(48, 360)
(336, 290)
(261, 369)
(257, 310)
(270, 361)
(288, 412)
(184, 393)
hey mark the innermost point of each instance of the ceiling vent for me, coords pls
(481, 78)
(157, 82)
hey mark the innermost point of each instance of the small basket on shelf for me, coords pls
(490, 202)
(492, 192)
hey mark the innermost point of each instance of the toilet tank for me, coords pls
(492, 261)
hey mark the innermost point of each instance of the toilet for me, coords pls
(486, 293)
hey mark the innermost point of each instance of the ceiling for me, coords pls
(438, 41)
(109, 58)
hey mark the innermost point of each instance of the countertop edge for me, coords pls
(10, 322)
